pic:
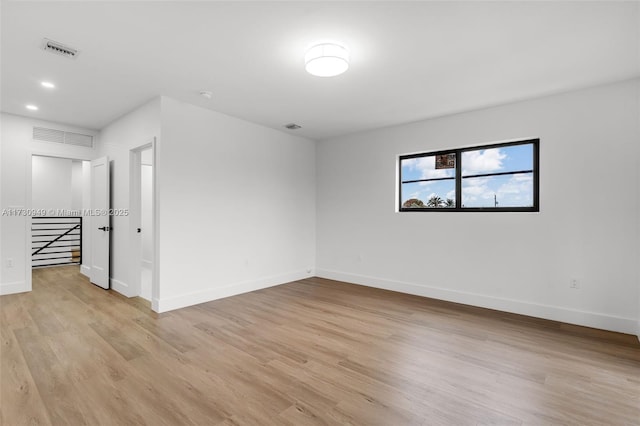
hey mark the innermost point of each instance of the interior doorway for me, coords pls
(142, 220)
(59, 194)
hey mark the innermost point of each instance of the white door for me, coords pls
(100, 224)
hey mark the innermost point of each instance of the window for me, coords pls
(498, 177)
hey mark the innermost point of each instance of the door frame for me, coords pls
(29, 205)
(135, 208)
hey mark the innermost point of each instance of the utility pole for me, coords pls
(495, 200)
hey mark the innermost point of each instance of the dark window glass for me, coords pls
(499, 177)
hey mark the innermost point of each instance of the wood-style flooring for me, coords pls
(312, 352)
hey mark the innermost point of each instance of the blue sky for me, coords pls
(510, 190)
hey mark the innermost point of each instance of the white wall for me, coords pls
(56, 183)
(237, 206)
(587, 227)
(17, 145)
(51, 186)
(130, 131)
(77, 183)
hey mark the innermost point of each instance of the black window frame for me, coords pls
(458, 178)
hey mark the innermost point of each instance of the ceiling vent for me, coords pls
(59, 49)
(59, 136)
(292, 126)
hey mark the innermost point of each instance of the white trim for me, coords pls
(14, 287)
(40, 153)
(555, 313)
(121, 287)
(194, 298)
(85, 270)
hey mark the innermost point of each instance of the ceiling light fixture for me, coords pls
(47, 84)
(206, 94)
(32, 107)
(326, 60)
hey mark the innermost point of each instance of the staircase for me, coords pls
(56, 240)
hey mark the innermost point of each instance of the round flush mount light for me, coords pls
(31, 107)
(326, 60)
(47, 84)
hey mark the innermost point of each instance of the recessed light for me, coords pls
(32, 107)
(48, 84)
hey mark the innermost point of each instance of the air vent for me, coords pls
(59, 136)
(59, 49)
(78, 139)
(49, 135)
(292, 126)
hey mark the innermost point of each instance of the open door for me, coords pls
(100, 222)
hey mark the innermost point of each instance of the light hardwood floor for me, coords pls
(310, 352)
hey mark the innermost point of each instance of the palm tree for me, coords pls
(450, 202)
(435, 201)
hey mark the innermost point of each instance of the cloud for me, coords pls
(427, 168)
(480, 161)
(475, 188)
(516, 191)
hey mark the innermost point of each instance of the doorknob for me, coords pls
(139, 230)
(104, 228)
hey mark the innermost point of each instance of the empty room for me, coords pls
(320, 213)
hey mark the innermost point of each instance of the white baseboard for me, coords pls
(556, 313)
(14, 287)
(85, 270)
(121, 287)
(189, 299)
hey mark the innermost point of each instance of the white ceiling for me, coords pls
(409, 60)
